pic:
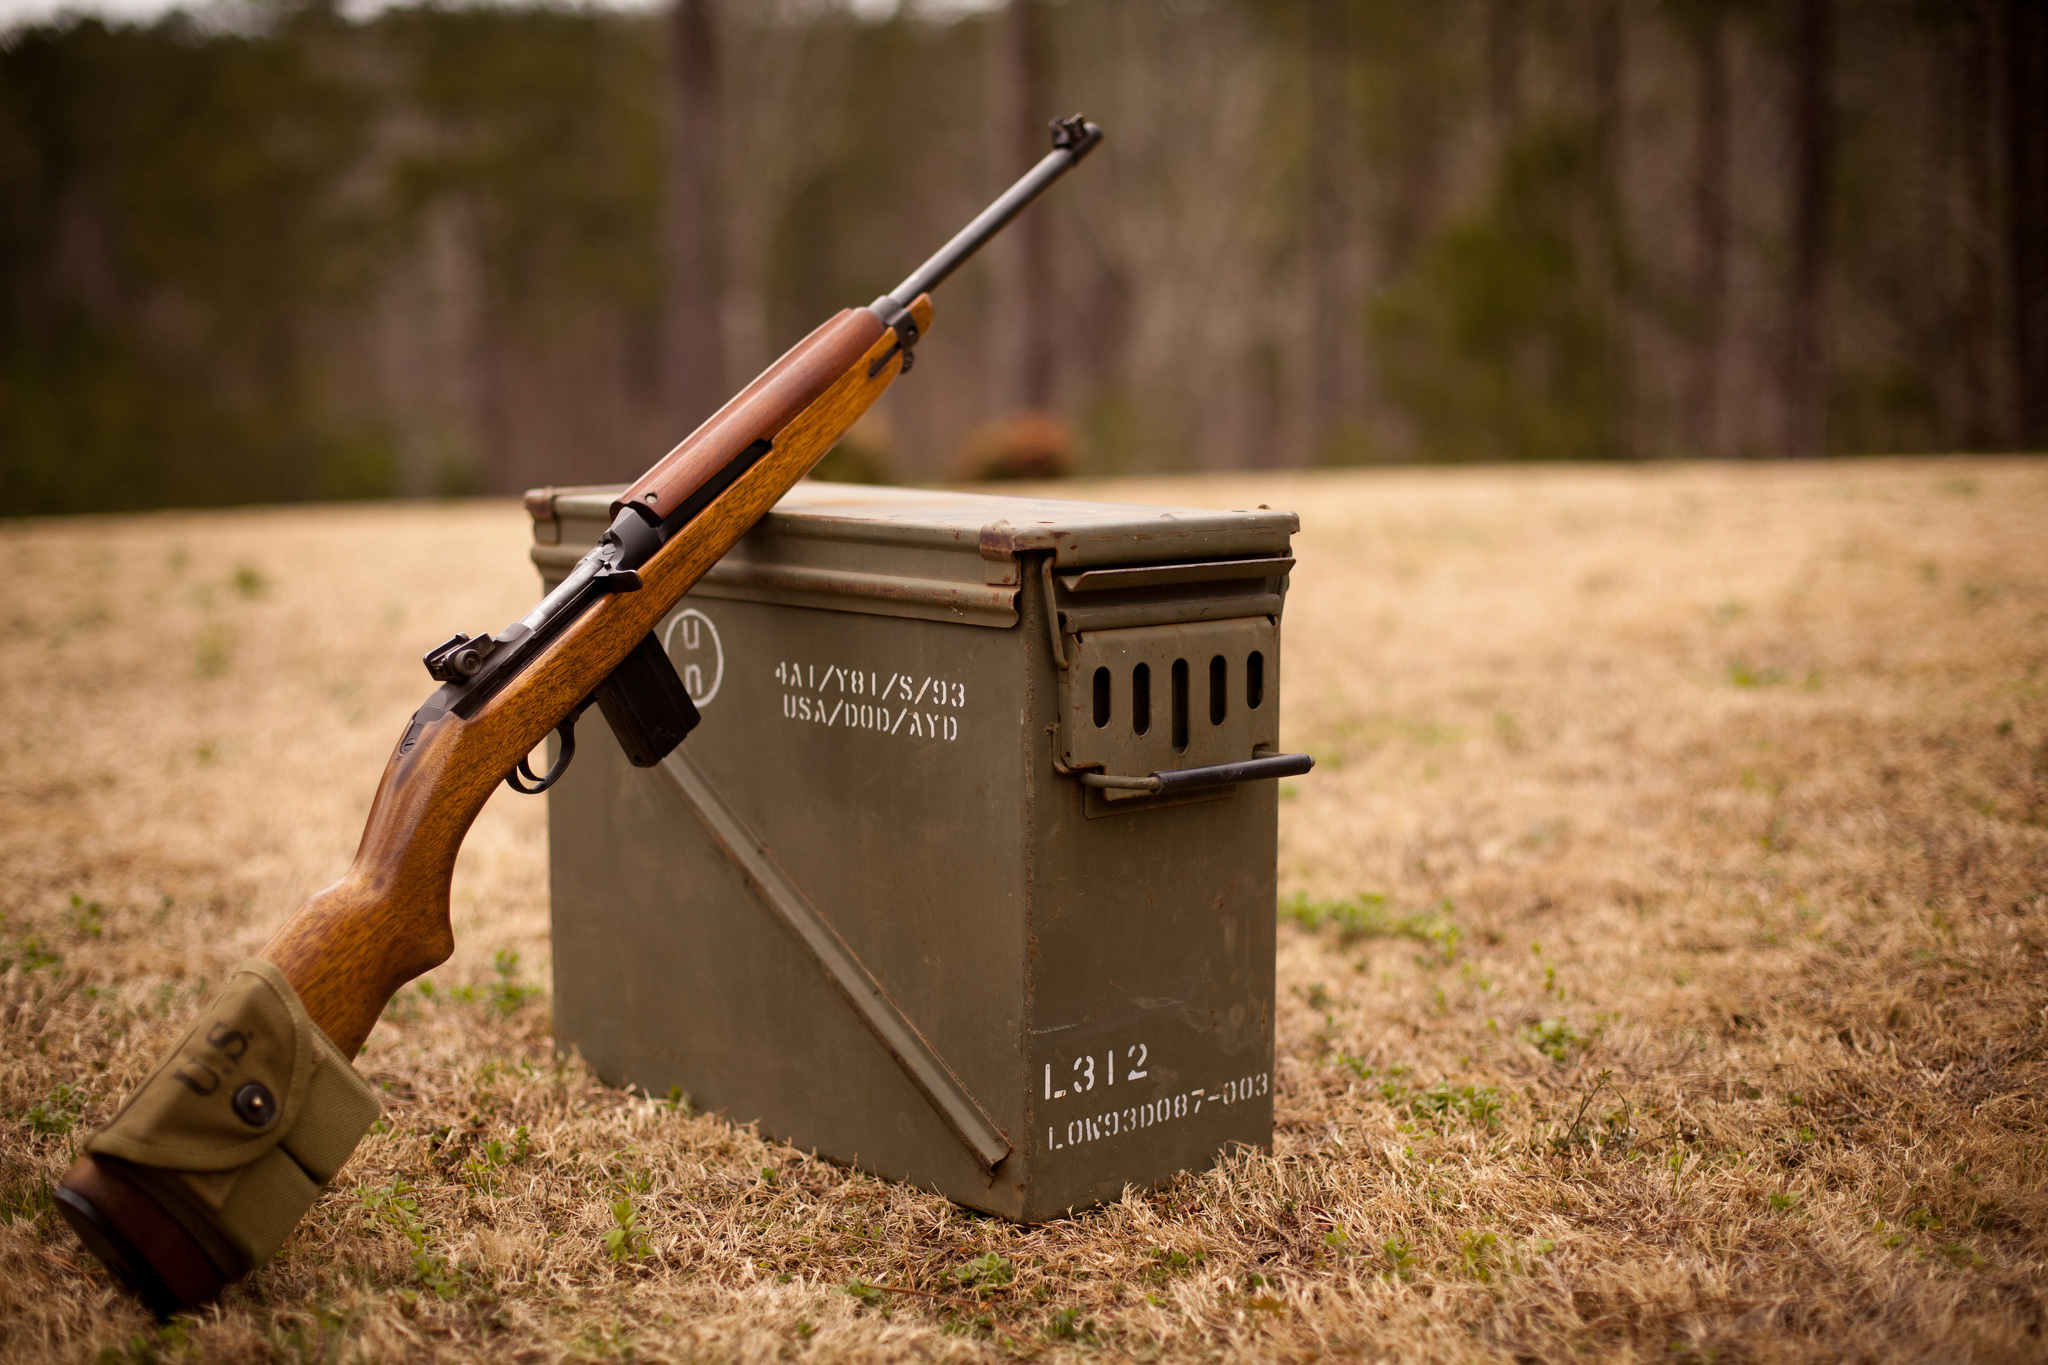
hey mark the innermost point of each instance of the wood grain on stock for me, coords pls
(781, 391)
(351, 946)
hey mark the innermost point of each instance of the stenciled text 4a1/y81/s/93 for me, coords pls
(891, 703)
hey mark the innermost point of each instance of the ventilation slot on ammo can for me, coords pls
(967, 878)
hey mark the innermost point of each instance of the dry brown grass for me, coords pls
(1701, 1016)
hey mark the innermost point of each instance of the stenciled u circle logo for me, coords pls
(693, 646)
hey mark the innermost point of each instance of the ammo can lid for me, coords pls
(923, 552)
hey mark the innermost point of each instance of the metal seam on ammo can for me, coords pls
(912, 1054)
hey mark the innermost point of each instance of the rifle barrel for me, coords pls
(1073, 139)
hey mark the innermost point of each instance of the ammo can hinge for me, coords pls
(1052, 615)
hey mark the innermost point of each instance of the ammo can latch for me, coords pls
(1169, 674)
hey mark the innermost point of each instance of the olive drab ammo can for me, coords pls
(967, 877)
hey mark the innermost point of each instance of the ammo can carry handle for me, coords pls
(1176, 780)
(206, 1168)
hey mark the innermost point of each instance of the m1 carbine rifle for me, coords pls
(223, 1148)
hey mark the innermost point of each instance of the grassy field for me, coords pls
(1662, 959)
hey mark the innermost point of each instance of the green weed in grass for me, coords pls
(1166, 1261)
(1744, 674)
(29, 954)
(58, 1114)
(1554, 1038)
(1437, 1106)
(88, 918)
(508, 992)
(1399, 1256)
(625, 1241)
(1478, 1105)
(1477, 1250)
(496, 1155)
(1366, 916)
(505, 995)
(987, 1271)
(395, 1207)
(213, 653)
(25, 1201)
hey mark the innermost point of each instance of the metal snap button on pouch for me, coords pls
(255, 1105)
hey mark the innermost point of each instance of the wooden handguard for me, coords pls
(350, 948)
(785, 388)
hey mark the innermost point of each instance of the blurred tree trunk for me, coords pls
(1607, 54)
(2026, 148)
(1806, 364)
(1610, 235)
(1710, 228)
(1022, 339)
(1967, 79)
(481, 330)
(1334, 359)
(1503, 68)
(694, 382)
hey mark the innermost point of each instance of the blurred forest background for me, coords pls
(268, 252)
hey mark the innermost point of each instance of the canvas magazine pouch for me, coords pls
(239, 1128)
